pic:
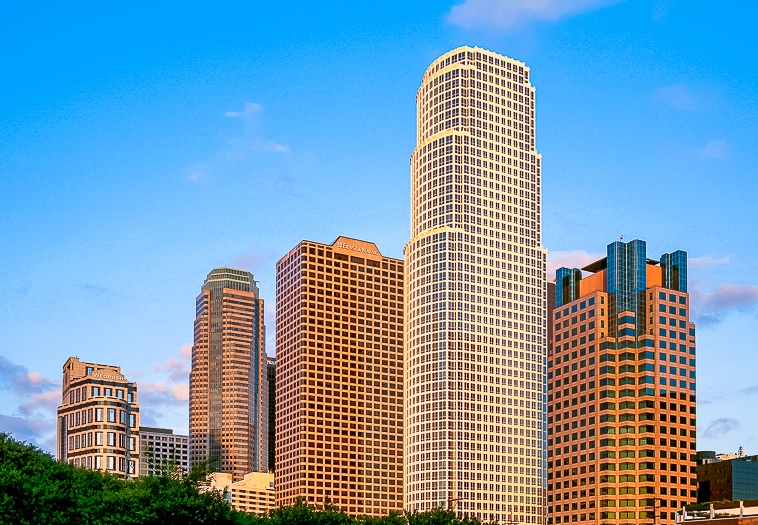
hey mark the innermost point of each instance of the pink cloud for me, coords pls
(181, 392)
(185, 351)
(570, 259)
(709, 306)
(48, 401)
(728, 296)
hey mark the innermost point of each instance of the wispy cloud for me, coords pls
(710, 306)
(680, 97)
(38, 397)
(22, 381)
(41, 405)
(570, 259)
(715, 149)
(720, 426)
(508, 14)
(254, 259)
(700, 263)
(39, 431)
(750, 390)
(178, 368)
(164, 400)
(239, 148)
(157, 395)
(661, 9)
(252, 138)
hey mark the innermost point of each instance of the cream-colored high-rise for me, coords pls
(476, 300)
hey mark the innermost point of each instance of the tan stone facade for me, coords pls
(339, 429)
(98, 420)
(253, 494)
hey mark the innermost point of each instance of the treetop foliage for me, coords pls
(37, 489)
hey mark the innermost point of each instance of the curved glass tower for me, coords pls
(476, 300)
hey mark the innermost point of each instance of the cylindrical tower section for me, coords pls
(476, 300)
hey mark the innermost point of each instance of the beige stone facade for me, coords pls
(98, 420)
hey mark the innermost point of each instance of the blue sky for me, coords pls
(142, 145)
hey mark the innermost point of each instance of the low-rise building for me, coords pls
(727, 479)
(254, 493)
(98, 420)
(161, 449)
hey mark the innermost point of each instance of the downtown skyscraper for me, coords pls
(228, 382)
(476, 300)
(622, 390)
(339, 377)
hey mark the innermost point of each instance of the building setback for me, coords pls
(228, 382)
(161, 449)
(98, 420)
(621, 379)
(476, 301)
(339, 376)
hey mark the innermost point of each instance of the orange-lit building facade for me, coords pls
(621, 390)
(98, 420)
(339, 377)
(228, 381)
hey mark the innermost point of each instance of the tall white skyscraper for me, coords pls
(476, 299)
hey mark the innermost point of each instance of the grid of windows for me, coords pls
(161, 449)
(621, 411)
(98, 421)
(476, 294)
(339, 377)
(228, 382)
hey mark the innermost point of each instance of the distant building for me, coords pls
(730, 479)
(161, 449)
(271, 362)
(228, 384)
(98, 420)
(621, 390)
(254, 493)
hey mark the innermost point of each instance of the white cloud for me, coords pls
(252, 139)
(38, 399)
(239, 147)
(504, 14)
(699, 263)
(249, 109)
(678, 96)
(715, 149)
(570, 259)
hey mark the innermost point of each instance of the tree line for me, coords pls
(37, 489)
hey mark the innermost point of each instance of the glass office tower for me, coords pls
(476, 294)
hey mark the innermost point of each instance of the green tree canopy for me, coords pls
(36, 489)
